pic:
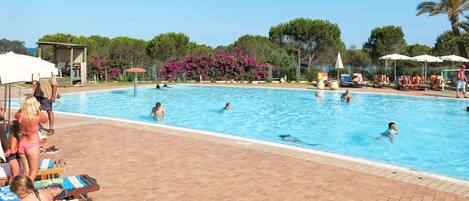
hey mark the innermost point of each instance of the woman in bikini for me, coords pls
(30, 118)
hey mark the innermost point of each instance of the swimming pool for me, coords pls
(434, 131)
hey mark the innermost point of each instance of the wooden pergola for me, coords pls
(66, 53)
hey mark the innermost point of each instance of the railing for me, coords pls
(15, 89)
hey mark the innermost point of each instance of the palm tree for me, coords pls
(452, 8)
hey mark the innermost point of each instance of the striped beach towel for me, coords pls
(74, 182)
(45, 164)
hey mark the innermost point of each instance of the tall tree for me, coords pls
(263, 50)
(168, 46)
(417, 49)
(125, 51)
(12, 45)
(258, 47)
(451, 8)
(194, 48)
(445, 44)
(306, 38)
(357, 58)
(384, 40)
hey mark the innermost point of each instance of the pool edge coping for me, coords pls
(279, 88)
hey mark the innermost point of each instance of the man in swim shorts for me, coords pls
(45, 91)
(461, 82)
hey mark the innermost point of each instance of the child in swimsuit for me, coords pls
(30, 118)
(11, 152)
(391, 132)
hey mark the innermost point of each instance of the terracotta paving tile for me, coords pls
(131, 163)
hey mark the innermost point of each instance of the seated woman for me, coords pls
(408, 81)
(23, 187)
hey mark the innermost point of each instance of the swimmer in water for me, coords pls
(347, 96)
(289, 138)
(165, 85)
(158, 110)
(317, 95)
(158, 86)
(391, 133)
(227, 106)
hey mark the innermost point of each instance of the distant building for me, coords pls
(69, 58)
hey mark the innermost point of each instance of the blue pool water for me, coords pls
(434, 132)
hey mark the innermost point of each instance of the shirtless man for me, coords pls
(347, 96)
(461, 82)
(158, 110)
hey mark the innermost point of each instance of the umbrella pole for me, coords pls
(9, 102)
(425, 75)
(395, 67)
(4, 107)
(135, 84)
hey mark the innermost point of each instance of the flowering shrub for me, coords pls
(221, 65)
(114, 73)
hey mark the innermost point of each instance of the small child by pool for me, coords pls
(390, 133)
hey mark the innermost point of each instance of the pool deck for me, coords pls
(142, 162)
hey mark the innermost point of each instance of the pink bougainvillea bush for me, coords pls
(222, 65)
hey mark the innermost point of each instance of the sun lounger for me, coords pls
(346, 81)
(402, 86)
(50, 169)
(380, 80)
(75, 187)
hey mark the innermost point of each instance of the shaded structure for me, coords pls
(69, 58)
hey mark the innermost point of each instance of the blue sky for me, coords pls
(209, 22)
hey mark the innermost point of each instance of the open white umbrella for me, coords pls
(338, 64)
(395, 57)
(426, 59)
(454, 58)
(21, 68)
(38, 67)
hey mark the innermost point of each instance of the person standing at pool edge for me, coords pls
(45, 91)
(461, 83)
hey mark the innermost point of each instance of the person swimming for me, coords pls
(158, 86)
(158, 110)
(317, 95)
(227, 106)
(391, 133)
(347, 96)
(289, 138)
(165, 85)
(467, 109)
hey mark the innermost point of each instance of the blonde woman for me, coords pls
(23, 187)
(30, 118)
